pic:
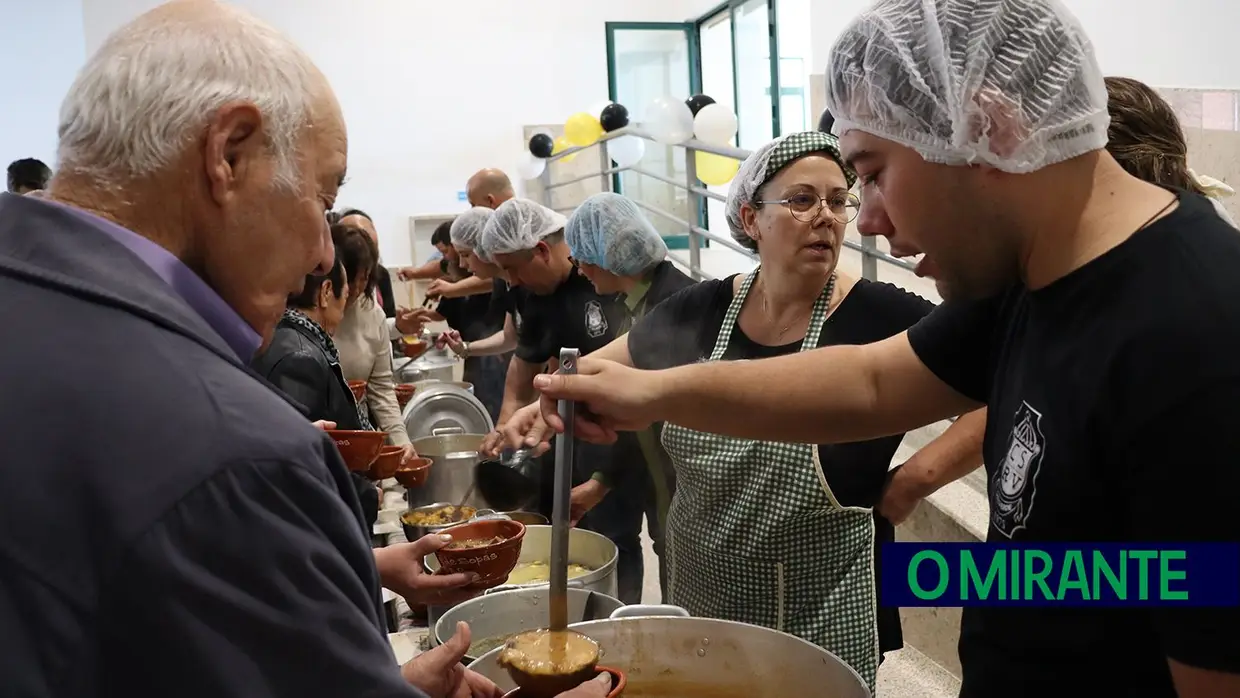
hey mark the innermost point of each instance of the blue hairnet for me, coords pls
(611, 232)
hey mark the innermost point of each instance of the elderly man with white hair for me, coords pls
(1093, 313)
(197, 536)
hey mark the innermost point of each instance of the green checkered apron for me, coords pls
(755, 535)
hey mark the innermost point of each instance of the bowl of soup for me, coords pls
(414, 473)
(404, 393)
(358, 388)
(413, 347)
(489, 548)
(386, 464)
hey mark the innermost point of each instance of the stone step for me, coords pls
(908, 673)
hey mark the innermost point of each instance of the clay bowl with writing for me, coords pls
(404, 393)
(413, 347)
(619, 681)
(414, 473)
(358, 388)
(491, 549)
(358, 448)
(386, 464)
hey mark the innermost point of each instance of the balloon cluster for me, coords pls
(581, 130)
(668, 120)
(672, 121)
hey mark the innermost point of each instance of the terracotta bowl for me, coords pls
(414, 473)
(412, 347)
(386, 464)
(404, 393)
(619, 681)
(492, 562)
(358, 448)
(359, 389)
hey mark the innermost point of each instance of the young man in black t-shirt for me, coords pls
(1096, 315)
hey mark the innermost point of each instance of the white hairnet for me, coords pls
(466, 230)
(766, 162)
(1011, 84)
(610, 231)
(518, 225)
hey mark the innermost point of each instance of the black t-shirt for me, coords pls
(683, 330)
(572, 316)
(1113, 417)
(665, 281)
(506, 300)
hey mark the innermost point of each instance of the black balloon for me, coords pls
(826, 121)
(696, 102)
(613, 117)
(541, 145)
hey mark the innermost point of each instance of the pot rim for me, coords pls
(437, 636)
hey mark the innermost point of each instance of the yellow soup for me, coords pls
(538, 572)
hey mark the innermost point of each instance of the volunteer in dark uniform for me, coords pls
(619, 251)
(526, 241)
(466, 233)
(1104, 341)
(472, 317)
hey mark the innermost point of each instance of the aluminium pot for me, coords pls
(585, 548)
(453, 456)
(440, 408)
(679, 657)
(509, 612)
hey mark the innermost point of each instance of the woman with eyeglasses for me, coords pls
(777, 534)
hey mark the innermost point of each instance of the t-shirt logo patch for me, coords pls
(1012, 487)
(596, 322)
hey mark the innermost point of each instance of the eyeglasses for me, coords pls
(805, 207)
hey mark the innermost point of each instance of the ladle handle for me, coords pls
(560, 512)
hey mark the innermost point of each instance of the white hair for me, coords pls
(152, 86)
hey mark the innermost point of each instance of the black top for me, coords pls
(572, 316)
(665, 281)
(383, 281)
(575, 316)
(197, 536)
(1113, 417)
(297, 364)
(683, 330)
(508, 300)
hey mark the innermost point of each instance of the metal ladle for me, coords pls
(560, 512)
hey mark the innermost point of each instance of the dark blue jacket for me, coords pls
(169, 524)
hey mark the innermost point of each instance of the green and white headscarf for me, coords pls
(767, 161)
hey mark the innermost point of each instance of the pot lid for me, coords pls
(444, 409)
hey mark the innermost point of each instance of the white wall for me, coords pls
(1158, 42)
(435, 90)
(41, 50)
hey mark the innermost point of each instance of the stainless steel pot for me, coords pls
(434, 364)
(677, 657)
(444, 407)
(430, 382)
(453, 456)
(493, 616)
(585, 548)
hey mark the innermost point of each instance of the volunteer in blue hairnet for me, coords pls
(619, 251)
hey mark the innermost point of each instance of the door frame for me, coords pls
(690, 30)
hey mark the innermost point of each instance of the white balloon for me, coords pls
(626, 151)
(531, 167)
(669, 121)
(715, 123)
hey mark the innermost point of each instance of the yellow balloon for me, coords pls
(715, 170)
(562, 144)
(581, 129)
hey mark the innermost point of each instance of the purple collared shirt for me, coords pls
(220, 316)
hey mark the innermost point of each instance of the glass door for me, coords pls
(645, 61)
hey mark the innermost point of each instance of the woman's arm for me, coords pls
(954, 454)
(471, 286)
(381, 385)
(501, 342)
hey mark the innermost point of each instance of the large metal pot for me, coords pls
(670, 657)
(434, 364)
(440, 408)
(453, 456)
(499, 615)
(585, 548)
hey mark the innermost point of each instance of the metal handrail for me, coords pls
(870, 254)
